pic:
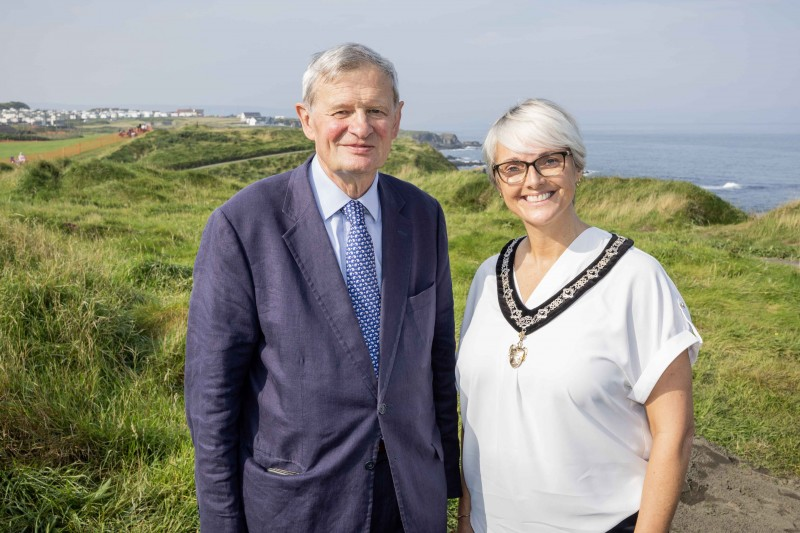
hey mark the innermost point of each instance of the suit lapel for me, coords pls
(396, 265)
(310, 246)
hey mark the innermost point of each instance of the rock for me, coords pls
(441, 141)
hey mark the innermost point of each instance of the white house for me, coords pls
(190, 112)
(248, 116)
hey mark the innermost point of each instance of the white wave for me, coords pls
(729, 186)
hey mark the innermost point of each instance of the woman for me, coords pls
(574, 367)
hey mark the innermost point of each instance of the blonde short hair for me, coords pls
(534, 122)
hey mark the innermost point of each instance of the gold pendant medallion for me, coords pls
(517, 352)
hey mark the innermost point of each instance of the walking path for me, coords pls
(724, 495)
(251, 158)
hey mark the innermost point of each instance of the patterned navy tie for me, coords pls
(362, 281)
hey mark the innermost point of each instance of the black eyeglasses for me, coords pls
(548, 165)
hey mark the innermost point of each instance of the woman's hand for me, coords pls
(464, 508)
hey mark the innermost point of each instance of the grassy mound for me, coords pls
(193, 147)
(41, 178)
(781, 224)
(252, 170)
(408, 156)
(653, 204)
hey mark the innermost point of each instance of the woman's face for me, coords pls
(539, 201)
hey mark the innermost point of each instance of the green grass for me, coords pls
(7, 149)
(197, 146)
(95, 273)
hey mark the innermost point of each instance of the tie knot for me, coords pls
(354, 212)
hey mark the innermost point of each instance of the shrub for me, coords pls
(96, 171)
(41, 178)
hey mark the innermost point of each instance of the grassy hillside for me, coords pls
(95, 273)
(197, 146)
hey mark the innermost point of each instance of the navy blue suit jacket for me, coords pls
(282, 403)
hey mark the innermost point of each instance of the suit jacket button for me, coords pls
(382, 409)
(370, 465)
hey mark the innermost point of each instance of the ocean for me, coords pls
(754, 172)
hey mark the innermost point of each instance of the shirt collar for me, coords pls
(331, 199)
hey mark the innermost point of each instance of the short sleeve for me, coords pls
(659, 326)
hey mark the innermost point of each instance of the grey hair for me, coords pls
(534, 122)
(331, 63)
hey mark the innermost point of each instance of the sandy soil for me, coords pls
(723, 494)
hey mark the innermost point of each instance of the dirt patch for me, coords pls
(725, 495)
(795, 264)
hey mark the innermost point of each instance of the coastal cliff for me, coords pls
(440, 141)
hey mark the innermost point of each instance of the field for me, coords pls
(95, 274)
(91, 136)
(34, 149)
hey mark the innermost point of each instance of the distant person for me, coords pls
(21, 159)
(320, 354)
(574, 366)
(13, 160)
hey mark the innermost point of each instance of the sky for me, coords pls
(617, 65)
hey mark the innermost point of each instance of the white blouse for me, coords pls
(562, 442)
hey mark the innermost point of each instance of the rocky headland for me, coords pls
(440, 141)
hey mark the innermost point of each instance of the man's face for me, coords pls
(352, 122)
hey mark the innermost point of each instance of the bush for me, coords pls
(93, 172)
(41, 178)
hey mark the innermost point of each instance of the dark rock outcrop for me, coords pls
(440, 141)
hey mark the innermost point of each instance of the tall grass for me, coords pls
(90, 389)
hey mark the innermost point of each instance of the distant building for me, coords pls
(248, 116)
(284, 121)
(189, 113)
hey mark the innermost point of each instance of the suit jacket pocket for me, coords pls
(420, 320)
(423, 298)
(275, 465)
(421, 317)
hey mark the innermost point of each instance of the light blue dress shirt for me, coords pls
(331, 199)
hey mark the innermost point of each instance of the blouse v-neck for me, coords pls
(577, 256)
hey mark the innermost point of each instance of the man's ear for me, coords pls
(304, 114)
(399, 111)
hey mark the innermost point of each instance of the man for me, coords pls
(320, 385)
